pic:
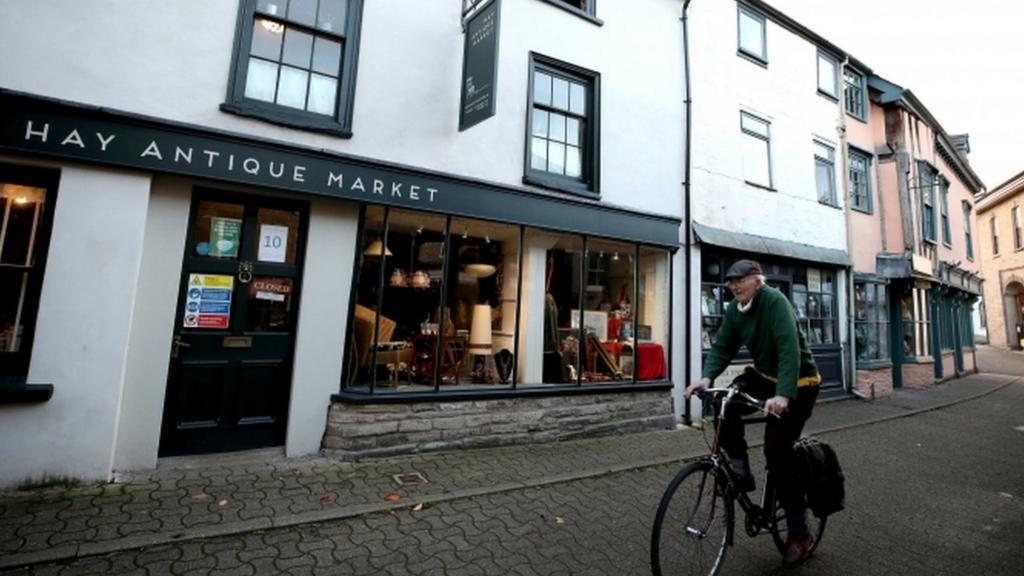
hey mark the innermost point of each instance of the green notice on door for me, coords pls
(224, 237)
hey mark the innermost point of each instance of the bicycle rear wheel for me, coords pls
(780, 533)
(693, 524)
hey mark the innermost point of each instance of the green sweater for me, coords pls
(769, 330)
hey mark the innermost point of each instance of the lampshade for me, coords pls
(420, 279)
(480, 330)
(375, 248)
(480, 270)
(399, 279)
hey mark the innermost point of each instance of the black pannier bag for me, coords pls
(820, 474)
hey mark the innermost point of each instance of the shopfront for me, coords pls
(265, 293)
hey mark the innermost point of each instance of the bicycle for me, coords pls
(697, 509)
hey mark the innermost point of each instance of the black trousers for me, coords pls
(779, 435)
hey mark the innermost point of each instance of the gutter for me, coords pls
(688, 256)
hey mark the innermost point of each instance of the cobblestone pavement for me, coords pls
(580, 507)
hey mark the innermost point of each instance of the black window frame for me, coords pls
(589, 182)
(588, 12)
(854, 94)
(745, 10)
(14, 365)
(340, 124)
(867, 204)
(878, 317)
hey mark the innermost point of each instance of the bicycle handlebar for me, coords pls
(731, 394)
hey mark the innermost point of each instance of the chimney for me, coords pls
(962, 144)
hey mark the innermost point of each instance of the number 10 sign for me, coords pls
(273, 243)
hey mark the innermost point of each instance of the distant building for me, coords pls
(1002, 260)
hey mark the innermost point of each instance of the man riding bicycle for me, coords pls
(783, 374)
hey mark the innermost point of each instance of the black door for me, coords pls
(230, 368)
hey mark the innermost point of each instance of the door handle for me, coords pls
(177, 345)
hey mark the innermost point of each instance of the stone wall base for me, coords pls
(879, 378)
(920, 375)
(355, 431)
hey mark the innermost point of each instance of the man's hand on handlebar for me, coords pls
(776, 405)
(703, 384)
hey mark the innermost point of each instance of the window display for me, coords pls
(871, 319)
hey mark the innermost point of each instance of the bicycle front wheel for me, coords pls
(693, 523)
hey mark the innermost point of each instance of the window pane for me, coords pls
(572, 161)
(540, 123)
(556, 158)
(272, 7)
(298, 47)
(266, 39)
(331, 17)
(542, 88)
(550, 334)
(322, 92)
(577, 99)
(652, 314)
(556, 131)
(372, 254)
(608, 312)
(751, 34)
(277, 235)
(826, 75)
(17, 227)
(560, 94)
(326, 56)
(754, 125)
(755, 160)
(572, 131)
(261, 80)
(12, 284)
(270, 302)
(217, 231)
(539, 154)
(302, 11)
(292, 88)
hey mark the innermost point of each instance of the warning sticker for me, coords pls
(208, 301)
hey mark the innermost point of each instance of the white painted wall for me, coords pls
(323, 317)
(172, 60)
(784, 93)
(82, 331)
(142, 400)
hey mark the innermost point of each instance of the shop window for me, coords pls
(26, 208)
(945, 320)
(752, 37)
(825, 173)
(871, 322)
(562, 142)
(439, 305)
(860, 181)
(714, 296)
(813, 297)
(295, 63)
(916, 322)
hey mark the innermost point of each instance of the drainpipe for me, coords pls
(848, 217)
(688, 289)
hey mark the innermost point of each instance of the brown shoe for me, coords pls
(797, 550)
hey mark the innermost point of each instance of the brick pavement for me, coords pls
(191, 501)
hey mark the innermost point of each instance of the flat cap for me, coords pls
(742, 268)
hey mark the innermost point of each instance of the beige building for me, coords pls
(1002, 261)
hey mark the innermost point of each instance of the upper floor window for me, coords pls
(1017, 240)
(825, 173)
(947, 233)
(752, 37)
(583, 8)
(994, 224)
(854, 88)
(827, 75)
(26, 209)
(295, 63)
(756, 149)
(967, 230)
(927, 183)
(860, 181)
(562, 132)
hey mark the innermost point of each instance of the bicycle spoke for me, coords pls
(692, 524)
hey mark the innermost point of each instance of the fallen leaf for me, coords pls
(1006, 495)
(222, 503)
(327, 498)
(392, 496)
(201, 496)
(559, 520)
(417, 507)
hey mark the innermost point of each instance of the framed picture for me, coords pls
(595, 321)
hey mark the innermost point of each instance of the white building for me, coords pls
(211, 209)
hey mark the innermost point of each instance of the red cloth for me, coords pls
(651, 363)
(614, 323)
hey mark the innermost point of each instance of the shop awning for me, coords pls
(754, 244)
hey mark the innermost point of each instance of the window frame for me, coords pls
(947, 232)
(858, 89)
(589, 182)
(879, 318)
(868, 207)
(767, 138)
(994, 226)
(834, 94)
(1015, 221)
(926, 191)
(968, 240)
(749, 12)
(14, 365)
(588, 12)
(338, 124)
(830, 165)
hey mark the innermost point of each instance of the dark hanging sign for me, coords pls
(51, 128)
(480, 66)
